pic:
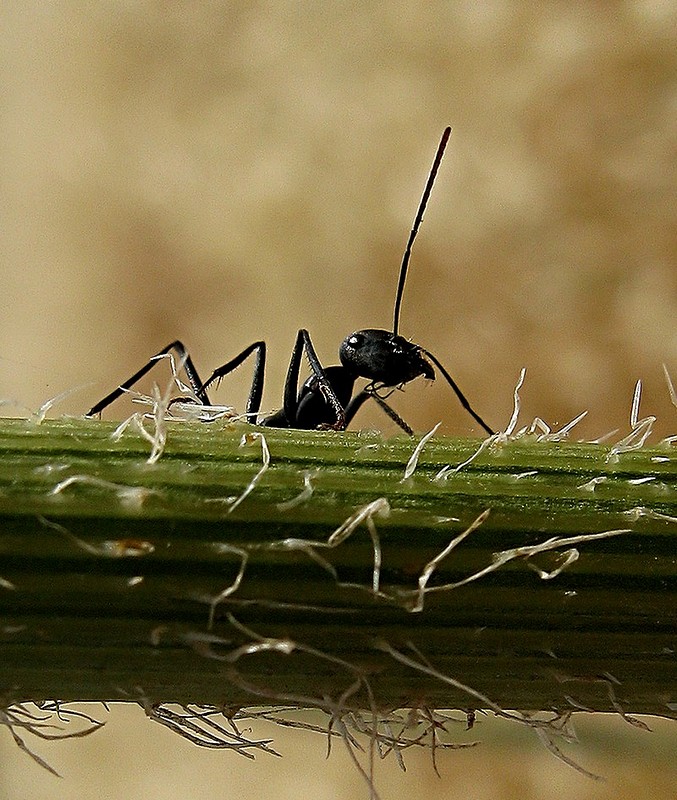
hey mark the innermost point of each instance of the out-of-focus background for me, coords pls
(133, 757)
(222, 172)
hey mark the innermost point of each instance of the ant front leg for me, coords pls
(186, 361)
(370, 392)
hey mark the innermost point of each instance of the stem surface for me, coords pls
(124, 579)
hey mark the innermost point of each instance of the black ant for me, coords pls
(325, 401)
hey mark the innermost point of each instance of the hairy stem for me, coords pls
(303, 567)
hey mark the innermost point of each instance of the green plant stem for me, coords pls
(124, 583)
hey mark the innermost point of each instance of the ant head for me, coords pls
(383, 357)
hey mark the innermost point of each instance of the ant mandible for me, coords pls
(325, 401)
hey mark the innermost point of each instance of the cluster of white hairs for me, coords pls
(387, 732)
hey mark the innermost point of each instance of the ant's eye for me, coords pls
(356, 340)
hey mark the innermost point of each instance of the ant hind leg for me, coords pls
(197, 384)
(188, 365)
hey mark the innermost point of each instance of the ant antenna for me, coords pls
(417, 223)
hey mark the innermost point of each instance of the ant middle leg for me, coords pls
(256, 390)
(321, 401)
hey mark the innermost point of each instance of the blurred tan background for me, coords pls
(223, 172)
(133, 757)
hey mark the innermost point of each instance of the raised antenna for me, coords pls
(417, 224)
